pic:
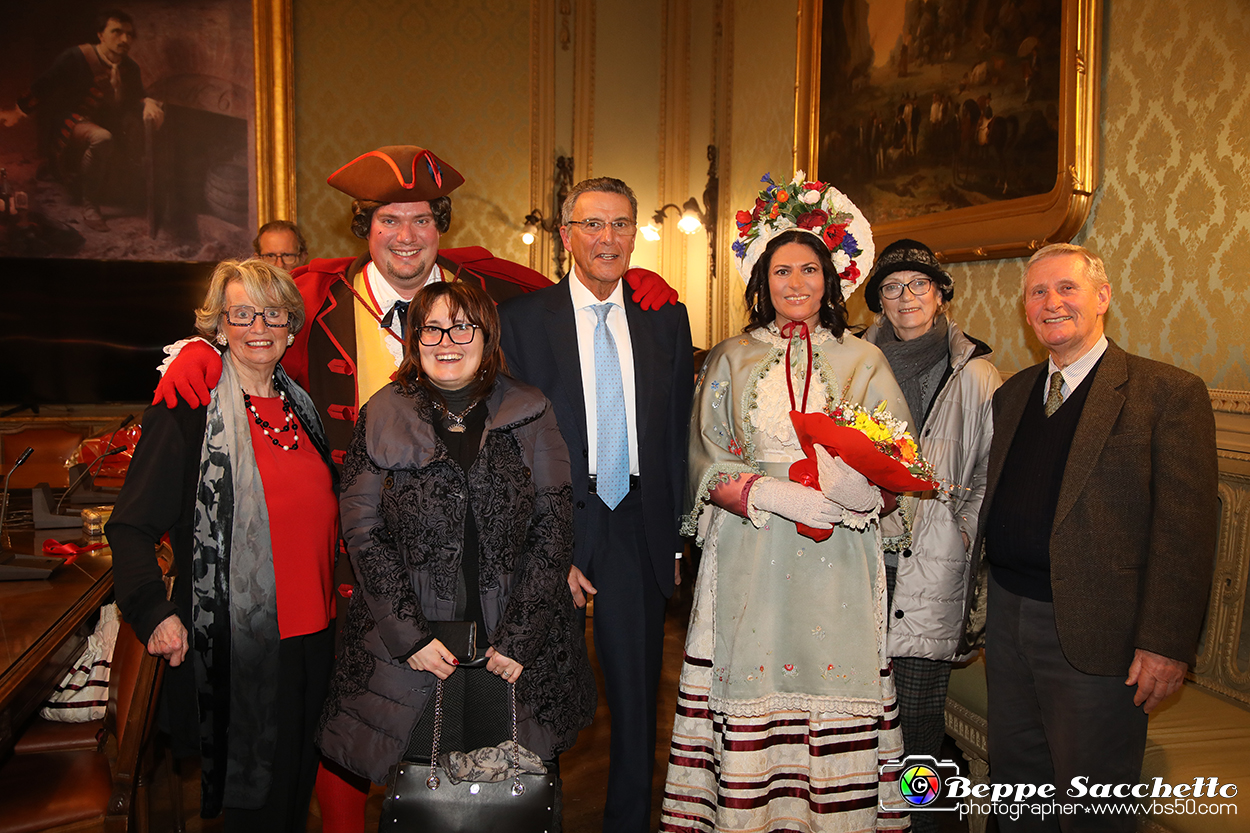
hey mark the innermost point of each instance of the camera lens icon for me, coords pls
(920, 785)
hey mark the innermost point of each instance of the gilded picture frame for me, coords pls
(999, 225)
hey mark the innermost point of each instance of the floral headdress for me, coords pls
(813, 207)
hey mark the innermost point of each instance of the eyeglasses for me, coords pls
(622, 228)
(432, 336)
(280, 258)
(242, 316)
(918, 287)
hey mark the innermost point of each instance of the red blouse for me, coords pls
(303, 522)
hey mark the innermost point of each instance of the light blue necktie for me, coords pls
(612, 476)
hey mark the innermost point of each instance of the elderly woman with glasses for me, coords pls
(245, 489)
(457, 507)
(948, 382)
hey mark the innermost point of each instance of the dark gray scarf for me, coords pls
(918, 365)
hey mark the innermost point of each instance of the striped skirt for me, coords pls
(785, 770)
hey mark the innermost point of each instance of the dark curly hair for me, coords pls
(759, 298)
(362, 215)
(478, 307)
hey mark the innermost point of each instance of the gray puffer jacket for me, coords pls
(927, 611)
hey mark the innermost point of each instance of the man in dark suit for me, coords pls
(621, 380)
(1100, 534)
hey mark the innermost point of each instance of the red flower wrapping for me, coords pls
(859, 452)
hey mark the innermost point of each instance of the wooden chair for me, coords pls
(75, 789)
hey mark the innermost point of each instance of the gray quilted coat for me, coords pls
(932, 575)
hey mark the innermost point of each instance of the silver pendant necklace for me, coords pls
(456, 421)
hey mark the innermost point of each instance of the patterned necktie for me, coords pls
(612, 477)
(1054, 396)
(400, 311)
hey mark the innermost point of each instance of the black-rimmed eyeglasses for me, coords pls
(242, 316)
(918, 287)
(432, 336)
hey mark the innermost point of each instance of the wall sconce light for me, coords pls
(693, 217)
(535, 222)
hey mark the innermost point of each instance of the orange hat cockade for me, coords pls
(397, 173)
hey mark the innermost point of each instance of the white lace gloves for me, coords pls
(792, 501)
(845, 486)
(847, 497)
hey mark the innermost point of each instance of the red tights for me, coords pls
(342, 796)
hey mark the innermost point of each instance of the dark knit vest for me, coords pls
(1017, 541)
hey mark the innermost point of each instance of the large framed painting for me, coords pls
(146, 130)
(88, 309)
(971, 126)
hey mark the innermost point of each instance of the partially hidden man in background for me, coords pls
(621, 380)
(1099, 529)
(91, 109)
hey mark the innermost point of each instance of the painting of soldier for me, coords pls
(124, 131)
(953, 103)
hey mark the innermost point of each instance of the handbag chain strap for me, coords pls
(517, 787)
(432, 782)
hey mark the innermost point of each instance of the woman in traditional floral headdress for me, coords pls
(786, 703)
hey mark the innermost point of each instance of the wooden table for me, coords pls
(44, 623)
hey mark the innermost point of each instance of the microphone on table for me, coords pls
(5, 500)
(129, 419)
(114, 450)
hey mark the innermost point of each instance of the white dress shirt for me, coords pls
(385, 296)
(618, 324)
(1076, 372)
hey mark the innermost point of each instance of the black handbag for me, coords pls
(458, 637)
(421, 797)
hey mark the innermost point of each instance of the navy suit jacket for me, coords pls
(540, 343)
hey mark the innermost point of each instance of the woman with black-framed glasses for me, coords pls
(457, 507)
(245, 488)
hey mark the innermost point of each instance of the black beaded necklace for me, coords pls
(291, 425)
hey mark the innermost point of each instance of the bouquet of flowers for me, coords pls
(874, 443)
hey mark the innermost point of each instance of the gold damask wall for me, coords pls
(371, 73)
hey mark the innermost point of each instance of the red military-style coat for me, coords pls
(323, 358)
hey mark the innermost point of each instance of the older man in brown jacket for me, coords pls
(1099, 529)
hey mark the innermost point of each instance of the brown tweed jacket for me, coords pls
(1133, 542)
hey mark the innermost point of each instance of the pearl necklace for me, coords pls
(291, 425)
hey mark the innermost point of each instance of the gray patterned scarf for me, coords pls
(918, 364)
(235, 615)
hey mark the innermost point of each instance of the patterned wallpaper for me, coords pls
(1172, 215)
(453, 77)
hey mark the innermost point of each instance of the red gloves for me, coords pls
(191, 375)
(650, 290)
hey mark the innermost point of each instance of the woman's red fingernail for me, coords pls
(455, 661)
